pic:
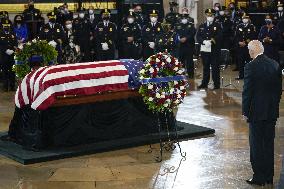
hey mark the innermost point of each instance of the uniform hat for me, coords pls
(279, 4)
(131, 14)
(245, 15)
(105, 12)
(153, 13)
(173, 4)
(51, 15)
(210, 12)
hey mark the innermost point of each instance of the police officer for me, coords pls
(172, 17)
(270, 36)
(279, 15)
(209, 35)
(166, 41)
(149, 34)
(63, 14)
(186, 43)
(245, 32)
(54, 34)
(83, 35)
(131, 38)
(33, 19)
(227, 28)
(106, 37)
(140, 18)
(8, 44)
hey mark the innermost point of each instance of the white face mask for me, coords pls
(130, 20)
(91, 11)
(75, 16)
(68, 26)
(216, 8)
(222, 13)
(184, 21)
(184, 12)
(153, 19)
(210, 19)
(280, 8)
(81, 15)
(245, 20)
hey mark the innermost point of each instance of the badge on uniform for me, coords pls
(147, 29)
(110, 29)
(35, 14)
(101, 29)
(215, 28)
(171, 39)
(158, 29)
(125, 29)
(241, 29)
(248, 30)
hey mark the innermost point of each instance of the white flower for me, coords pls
(172, 91)
(150, 99)
(141, 77)
(176, 62)
(158, 95)
(178, 91)
(169, 60)
(150, 86)
(175, 82)
(151, 70)
(166, 105)
(163, 63)
(177, 101)
(34, 41)
(163, 96)
(157, 69)
(179, 96)
(181, 88)
(20, 46)
(176, 69)
(180, 72)
(158, 60)
(142, 71)
(168, 100)
(28, 43)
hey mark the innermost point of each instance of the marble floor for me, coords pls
(220, 161)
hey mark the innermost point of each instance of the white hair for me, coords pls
(256, 46)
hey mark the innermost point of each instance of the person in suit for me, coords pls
(260, 106)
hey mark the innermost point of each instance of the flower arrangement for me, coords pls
(163, 82)
(25, 51)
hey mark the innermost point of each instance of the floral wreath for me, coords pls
(25, 51)
(163, 82)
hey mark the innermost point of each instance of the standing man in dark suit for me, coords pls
(261, 96)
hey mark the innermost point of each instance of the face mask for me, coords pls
(52, 20)
(31, 6)
(153, 19)
(222, 13)
(66, 10)
(245, 21)
(68, 26)
(216, 8)
(91, 11)
(130, 20)
(232, 8)
(184, 12)
(75, 16)
(210, 19)
(280, 8)
(81, 15)
(184, 21)
(268, 21)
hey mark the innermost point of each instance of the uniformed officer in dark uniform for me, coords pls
(8, 44)
(54, 34)
(209, 35)
(33, 19)
(166, 41)
(271, 38)
(172, 17)
(140, 18)
(83, 35)
(245, 32)
(106, 37)
(63, 14)
(186, 43)
(279, 15)
(149, 34)
(227, 29)
(131, 38)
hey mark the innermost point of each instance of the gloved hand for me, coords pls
(53, 43)
(77, 47)
(151, 45)
(207, 43)
(105, 46)
(9, 52)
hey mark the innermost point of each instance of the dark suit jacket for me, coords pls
(262, 89)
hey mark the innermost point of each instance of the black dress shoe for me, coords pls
(253, 182)
(202, 87)
(269, 181)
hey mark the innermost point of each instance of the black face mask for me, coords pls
(52, 20)
(232, 8)
(106, 18)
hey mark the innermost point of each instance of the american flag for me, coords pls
(40, 88)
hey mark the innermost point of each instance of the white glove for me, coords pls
(151, 45)
(77, 47)
(207, 43)
(105, 46)
(71, 45)
(9, 52)
(53, 43)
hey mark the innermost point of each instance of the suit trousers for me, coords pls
(243, 59)
(261, 141)
(186, 58)
(210, 59)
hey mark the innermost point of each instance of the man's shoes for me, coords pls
(239, 78)
(269, 181)
(253, 182)
(202, 86)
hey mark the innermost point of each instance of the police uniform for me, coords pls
(279, 15)
(172, 17)
(131, 49)
(83, 34)
(271, 39)
(186, 49)
(166, 41)
(34, 21)
(53, 32)
(106, 36)
(8, 41)
(244, 33)
(209, 35)
(140, 19)
(149, 33)
(227, 26)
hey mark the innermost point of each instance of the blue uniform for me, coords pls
(271, 47)
(21, 32)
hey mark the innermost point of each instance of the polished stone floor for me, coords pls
(214, 162)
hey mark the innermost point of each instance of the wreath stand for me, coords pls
(169, 144)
